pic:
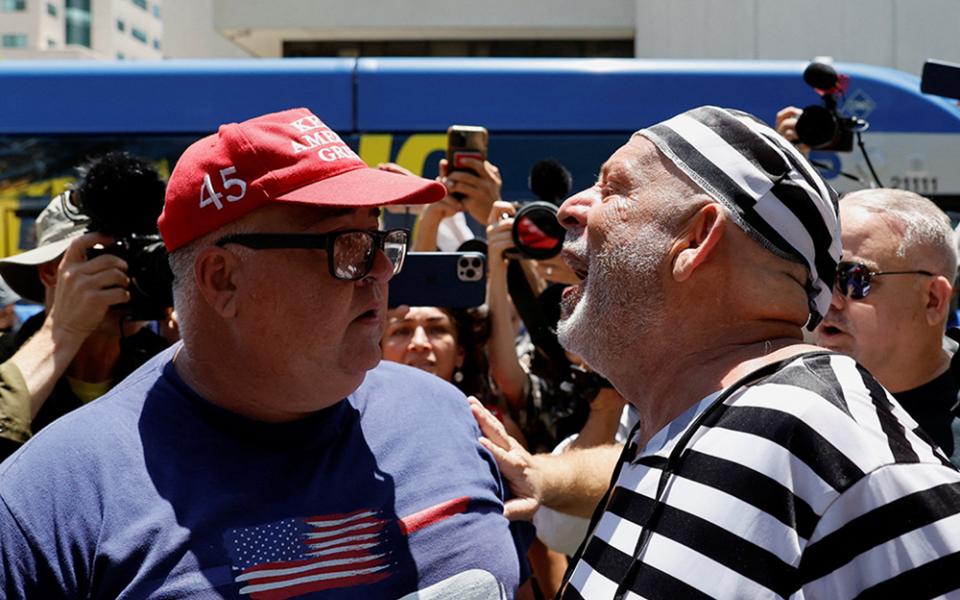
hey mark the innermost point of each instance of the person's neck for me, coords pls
(910, 369)
(232, 380)
(96, 360)
(666, 386)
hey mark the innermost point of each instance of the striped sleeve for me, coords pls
(894, 534)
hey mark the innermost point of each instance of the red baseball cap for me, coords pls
(289, 156)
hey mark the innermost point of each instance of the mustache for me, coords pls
(575, 242)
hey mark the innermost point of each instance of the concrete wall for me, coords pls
(893, 33)
(189, 32)
(262, 27)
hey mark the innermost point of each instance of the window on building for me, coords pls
(156, 44)
(121, 26)
(13, 5)
(77, 13)
(138, 34)
(156, 10)
(141, 3)
(14, 40)
(51, 43)
(121, 56)
(51, 9)
(562, 48)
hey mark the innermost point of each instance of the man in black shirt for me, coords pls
(892, 300)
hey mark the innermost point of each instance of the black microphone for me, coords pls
(550, 181)
(821, 76)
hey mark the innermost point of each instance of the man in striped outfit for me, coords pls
(762, 467)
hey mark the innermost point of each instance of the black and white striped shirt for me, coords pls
(811, 482)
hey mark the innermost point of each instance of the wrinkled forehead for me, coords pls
(637, 161)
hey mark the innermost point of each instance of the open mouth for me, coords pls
(831, 330)
(369, 315)
(581, 274)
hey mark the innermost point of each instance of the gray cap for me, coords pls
(55, 229)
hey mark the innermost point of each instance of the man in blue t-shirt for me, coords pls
(270, 454)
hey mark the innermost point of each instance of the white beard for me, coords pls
(619, 301)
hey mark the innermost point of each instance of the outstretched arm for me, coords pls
(572, 482)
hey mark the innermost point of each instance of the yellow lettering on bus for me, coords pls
(418, 147)
(413, 154)
(11, 202)
(375, 148)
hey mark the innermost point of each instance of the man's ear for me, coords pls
(215, 272)
(48, 273)
(698, 241)
(939, 293)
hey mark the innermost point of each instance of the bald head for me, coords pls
(921, 228)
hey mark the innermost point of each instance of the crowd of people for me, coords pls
(731, 383)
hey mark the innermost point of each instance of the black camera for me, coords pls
(536, 231)
(151, 281)
(822, 127)
(122, 196)
(940, 78)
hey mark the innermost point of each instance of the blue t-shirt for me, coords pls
(151, 491)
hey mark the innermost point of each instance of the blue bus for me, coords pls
(55, 114)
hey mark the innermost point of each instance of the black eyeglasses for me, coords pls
(350, 253)
(853, 279)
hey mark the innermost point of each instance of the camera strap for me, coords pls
(542, 336)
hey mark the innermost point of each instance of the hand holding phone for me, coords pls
(466, 144)
(466, 141)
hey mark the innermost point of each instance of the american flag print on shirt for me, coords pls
(301, 555)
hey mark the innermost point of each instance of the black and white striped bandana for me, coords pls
(773, 193)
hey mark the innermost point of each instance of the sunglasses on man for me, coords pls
(853, 278)
(350, 253)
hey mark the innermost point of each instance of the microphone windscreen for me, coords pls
(820, 76)
(550, 180)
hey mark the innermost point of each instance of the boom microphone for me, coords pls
(824, 78)
(550, 181)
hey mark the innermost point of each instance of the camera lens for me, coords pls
(817, 126)
(536, 231)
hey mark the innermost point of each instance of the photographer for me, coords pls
(82, 343)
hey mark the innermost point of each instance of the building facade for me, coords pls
(105, 29)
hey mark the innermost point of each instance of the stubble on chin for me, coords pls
(618, 304)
